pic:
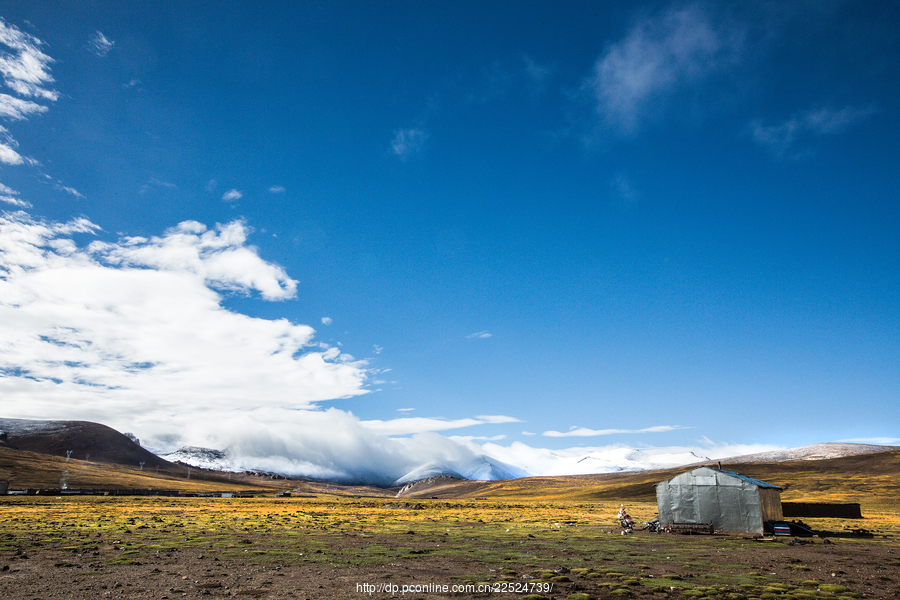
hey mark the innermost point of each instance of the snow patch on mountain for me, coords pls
(814, 452)
(615, 460)
(482, 468)
(202, 458)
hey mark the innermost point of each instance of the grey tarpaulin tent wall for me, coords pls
(729, 501)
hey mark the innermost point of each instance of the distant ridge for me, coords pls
(85, 440)
(814, 452)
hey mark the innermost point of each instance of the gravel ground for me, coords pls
(830, 568)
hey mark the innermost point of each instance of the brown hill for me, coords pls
(24, 469)
(85, 441)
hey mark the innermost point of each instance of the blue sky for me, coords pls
(522, 226)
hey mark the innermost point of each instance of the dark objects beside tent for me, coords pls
(691, 528)
(794, 528)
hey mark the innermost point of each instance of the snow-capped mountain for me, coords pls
(814, 452)
(203, 458)
(81, 440)
(483, 468)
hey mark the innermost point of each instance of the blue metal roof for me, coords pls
(756, 482)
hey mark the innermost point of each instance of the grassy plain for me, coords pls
(203, 546)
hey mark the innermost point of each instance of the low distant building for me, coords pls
(728, 501)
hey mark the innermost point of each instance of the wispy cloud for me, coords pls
(537, 74)
(17, 109)
(25, 69)
(660, 56)
(70, 190)
(877, 441)
(407, 142)
(412, 425)
(782, 139)
(624, 188)
(8, 153)
(156, 183)
(18, 202)
(9, 196)
(277, 189)
(100, 45)
(26, 72)
(477, 438)
(479, 335)
(232, 196)
(585, 432)
(505, 77)
(326, 321)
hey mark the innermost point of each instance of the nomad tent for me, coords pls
(730, 502)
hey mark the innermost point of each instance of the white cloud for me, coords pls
(878, 441)
(585, 432)
(18, 109)
(71, 190)
(781, 139)
(659, 57)
(15, 201)
(131, 333)
(156, 183)
(412, 425)
(8, 195)
(480, 438)
(326, 321)
(480, 335)
(100, 45)
(277, 189)
(408, 141)
(220, 258)
(232, 195)
(8, 154)
(25, 69)
(336, 445)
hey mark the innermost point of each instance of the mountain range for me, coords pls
(98, 443)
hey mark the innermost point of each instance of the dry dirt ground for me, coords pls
(409, 565)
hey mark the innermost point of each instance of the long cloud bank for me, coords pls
(134, 334)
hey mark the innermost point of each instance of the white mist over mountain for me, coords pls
(336, 446)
